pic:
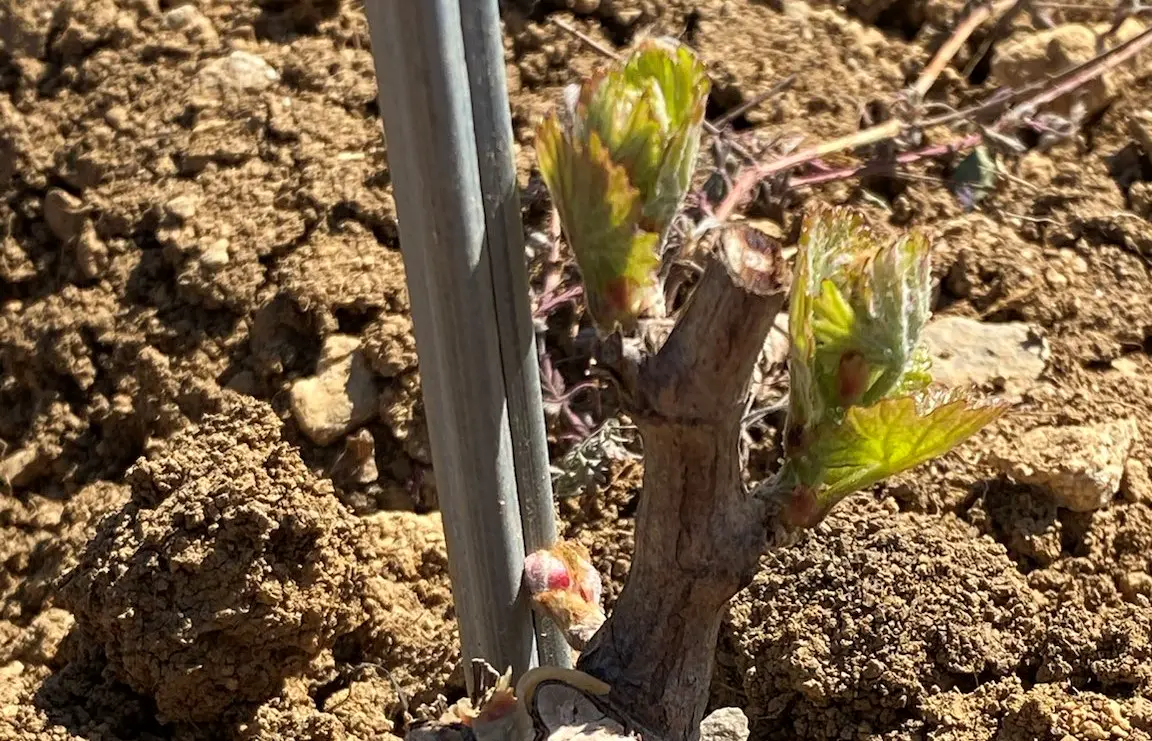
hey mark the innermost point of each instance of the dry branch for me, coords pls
(888, 130)
(1024, 103)
(699, 534)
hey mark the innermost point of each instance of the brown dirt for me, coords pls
(182, 229)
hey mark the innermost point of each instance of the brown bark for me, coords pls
(699, 533)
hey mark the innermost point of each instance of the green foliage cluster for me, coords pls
(862, 405)
(618, 166)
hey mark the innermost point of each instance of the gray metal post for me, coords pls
(452, 277)
(492, 121)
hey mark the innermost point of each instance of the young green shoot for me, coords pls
(618, 166)
(862, 404)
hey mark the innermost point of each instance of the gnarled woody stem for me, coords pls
(699, 533)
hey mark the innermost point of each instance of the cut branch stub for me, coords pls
(699, 534)
(703, 370)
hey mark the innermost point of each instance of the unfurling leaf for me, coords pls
(857, 310)
(894, 435)
(618, 261)
(861, 404)
(618, 167)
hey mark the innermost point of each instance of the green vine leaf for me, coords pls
(618, 167)
(862, 406)
(856, 313)
(617, 261)
(894, 435)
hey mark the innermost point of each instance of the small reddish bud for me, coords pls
(566, 586)
(543, 571)
(803, 508)
(852, 377)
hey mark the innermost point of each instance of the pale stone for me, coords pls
(1081, 466)
(341, 396)
(725, 724)
(240, 70)
(967, 352)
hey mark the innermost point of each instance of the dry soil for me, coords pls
(219, 515)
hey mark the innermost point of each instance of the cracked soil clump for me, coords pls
(896, 625)
(874, 611)
(230, 568)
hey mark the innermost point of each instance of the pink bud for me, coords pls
(544, 571)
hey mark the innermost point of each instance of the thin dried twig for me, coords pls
(1024, 103)
(590, 42)
(956, 41)
(1003, 25)
(755, 101)
(881, 132)
(870, 168)
(1074, 77)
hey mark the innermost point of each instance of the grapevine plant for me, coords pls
(861, 407)
(861, 402)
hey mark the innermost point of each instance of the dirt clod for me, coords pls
(1080, 466)
(1030, 57)
(929, 608)
(229, 569)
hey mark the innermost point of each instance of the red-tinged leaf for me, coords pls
(599, 209)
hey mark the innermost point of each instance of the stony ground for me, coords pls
(219, 517)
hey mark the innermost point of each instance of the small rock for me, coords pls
(22, 467)
(239, 70)
(181, 207)
(357, 462)
(336, 348)
(1055, 278)
(182, 17)
(216, 256)
(725, 724)
(1126, 366)
(117, 117)
(1137, 483)
(342, 395)
(1081, 466)
(91, 252)
(968, 352)
(65, 214)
